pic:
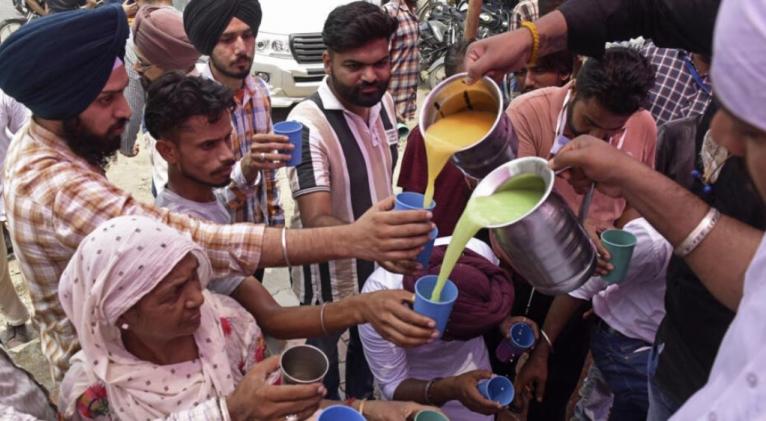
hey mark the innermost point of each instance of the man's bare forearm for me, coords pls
(563, 308)
(296, 322)
(553, 33)
(721, 260)
(308, 245)
(440, 392)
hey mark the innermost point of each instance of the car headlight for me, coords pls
(273, 45)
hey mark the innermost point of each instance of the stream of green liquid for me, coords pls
(508, 204)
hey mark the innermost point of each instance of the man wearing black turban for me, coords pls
(206, 20)
(226, 30)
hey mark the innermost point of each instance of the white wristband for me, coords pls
(699, 233)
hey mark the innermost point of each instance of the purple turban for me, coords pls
(739, 60)
(485, 298)
(159, 36)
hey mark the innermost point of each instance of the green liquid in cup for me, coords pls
(507, 205)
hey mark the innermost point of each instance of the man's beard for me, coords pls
(570, 116)
(97, 150)
(235, 75)
(354, 95)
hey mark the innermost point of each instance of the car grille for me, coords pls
(307, 48)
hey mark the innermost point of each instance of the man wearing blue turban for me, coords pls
(68, 70)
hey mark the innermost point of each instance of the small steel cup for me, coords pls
(303, 364)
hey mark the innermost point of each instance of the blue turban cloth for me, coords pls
(57, 65)
(205, 20)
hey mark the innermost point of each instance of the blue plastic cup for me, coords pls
(427, 415)
(425, 256)
(340, 413)
(620, 244)
(410, 200)
(498, 389)
(293, 131)
(438, 311)
(520, 338)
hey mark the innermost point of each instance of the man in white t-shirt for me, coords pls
(445, 372)
(189, 117)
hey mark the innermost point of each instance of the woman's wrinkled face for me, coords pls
(171, 309)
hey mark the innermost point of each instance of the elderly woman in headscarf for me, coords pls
(156, 343)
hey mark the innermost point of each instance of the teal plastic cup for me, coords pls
(430, 416)
(438, 311)
(620, 244)
(410, 200)
(340, 413)
(498, 389)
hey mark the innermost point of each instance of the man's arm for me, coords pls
(534, 374)
(685, 24)
(85, 200)
(584, 26)
(720, 261)
(384, 310)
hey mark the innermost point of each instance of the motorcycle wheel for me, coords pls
(9, 26)
(437, 75)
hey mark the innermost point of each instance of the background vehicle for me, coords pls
(10, 25)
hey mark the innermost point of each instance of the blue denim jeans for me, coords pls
(661, 406)
(359, 379)
(622, 361)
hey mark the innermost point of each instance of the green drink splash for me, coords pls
(508, 204)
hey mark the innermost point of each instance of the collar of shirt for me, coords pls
(53, 141)
(331, 102)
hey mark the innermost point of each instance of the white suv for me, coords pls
(288, 52)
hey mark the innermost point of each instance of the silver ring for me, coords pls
(262, 157)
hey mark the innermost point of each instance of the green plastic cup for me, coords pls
(426, 415)
(620, 244)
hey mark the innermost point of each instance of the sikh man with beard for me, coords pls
(225, 30)
(68, 70)
(349, 154)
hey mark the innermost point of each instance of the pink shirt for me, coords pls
(534, 116)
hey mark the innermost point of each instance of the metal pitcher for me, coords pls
(548, 247)
(453, 95)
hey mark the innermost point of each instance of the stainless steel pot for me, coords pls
(453, 95)
(548, 247)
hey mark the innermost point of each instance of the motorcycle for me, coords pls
(443, 27)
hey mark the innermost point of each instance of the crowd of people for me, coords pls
(157, 311)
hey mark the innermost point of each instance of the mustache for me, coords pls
(121, 123)
(226, 166)
(241, 57)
